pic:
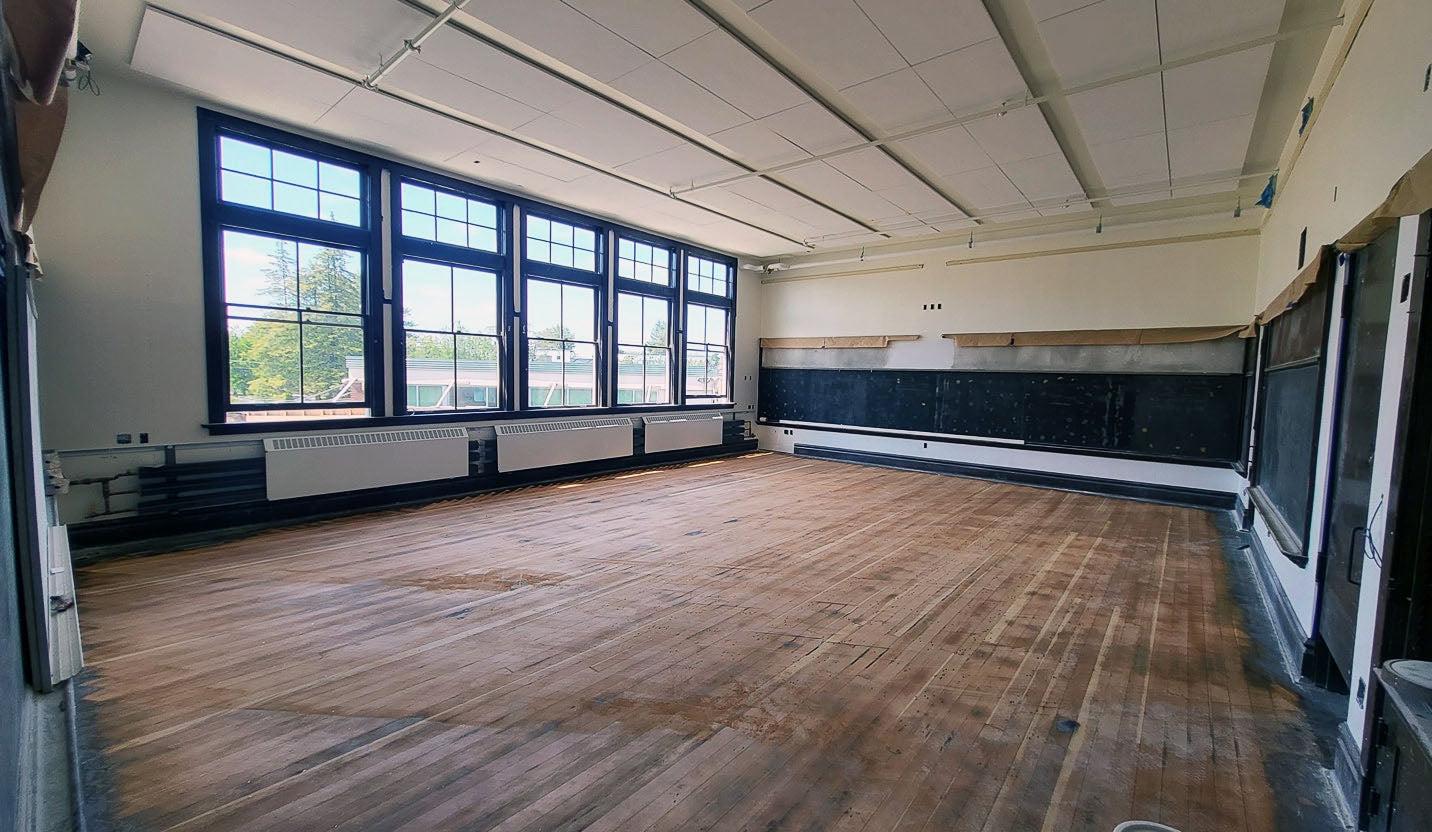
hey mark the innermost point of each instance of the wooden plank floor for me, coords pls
(757, 643)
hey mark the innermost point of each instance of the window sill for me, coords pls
(415, 419)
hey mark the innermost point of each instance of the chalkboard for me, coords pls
(1178, 417)
(1288, 440)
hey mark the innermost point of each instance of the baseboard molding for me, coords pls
(1165, 494)
(101, 539)
(1347, 773)
(1292, 642)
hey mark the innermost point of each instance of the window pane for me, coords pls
(585, 238)
(477, 371)
(544, 309)
(537, 250)
(579, 312)
(452, 207)
(329, 279)
(244, 156)
(629, 325)
(695, 323)
(245, 190)
(561, 244)
(629, 375)
(626, 249)
(417, 198)
(585, 260)
(696, 371)
(327, 353)
(544, 373)
(581, 375)
(715, 325)
(539, 229)
(427, 296)
(292, 199)
(716, 373)
(428, 364)
(482, 238)
(420, 226)
(562, 233)
(658, 376)
(482, 213)
(452, 232)
(300, 170)
(338, 180)
(263, 362)
(339, 209)
(657, 329)
(260, 270)
(562, 255)
(474, 301)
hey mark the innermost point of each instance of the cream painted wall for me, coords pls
(1375, 123)
(1207, 282)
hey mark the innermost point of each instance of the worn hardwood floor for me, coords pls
(757, 643)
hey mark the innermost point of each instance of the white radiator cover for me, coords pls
(693, 430)
(526, 445)
(302, 466)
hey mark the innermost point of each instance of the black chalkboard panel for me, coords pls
(1174, 417)
(1288, 440)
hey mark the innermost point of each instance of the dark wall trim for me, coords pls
(1166, 494)
(980, 443)
(1348, 771)
(419, 419)
(126, 530)
(1292, 642)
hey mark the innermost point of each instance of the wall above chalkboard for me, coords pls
(1095, 337)
(835, 342)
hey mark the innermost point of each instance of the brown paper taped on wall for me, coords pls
(1411, 195)
(1094, 337)
(833, 342)
(1311, 273)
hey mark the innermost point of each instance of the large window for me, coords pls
(290, 295)
(341, 285)
(709, 315)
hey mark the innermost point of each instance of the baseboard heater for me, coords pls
(527, 445)
(302, 466)
(677, 432)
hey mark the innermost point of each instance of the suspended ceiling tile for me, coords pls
(1077, 206)
(872, 168)
(812, 128)
(1142, 199)
(663, 88)
(974, 78)
(1120, 111)
(758, 145)
(897, 101)
(681, 165)
(357, 34)
(1018, 134)
(917, 198)
(657, 26)
(753, 212)
(835, 188)
(608, 133)
(922, 29)
(952, 150)
(918, 229)
(1045, 9)
(469, 58)
(1208, 190)
(374, 118)
(559, 30)
(1102, 39)
(1015, 214)
(791, 204)
(1217, 89)
(1217, 148)
(722, 65)
(1044, 178)
(232, 72)
(1192, 26)
(435, 84)
(833, 36)
(515, 153)
(984, 189)
(1140, 160)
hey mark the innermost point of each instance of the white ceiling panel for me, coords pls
(469, 58)
(984, 189)
(922, 29)
(952, 150)
(1209, 149)
(826, 183)
(917, 198)
(503, 149)
(834, 36)
(1140, 160)
(896, 101)
(231, 72)
(1120, 111)
(758, 145)
(821, 220)
(1102, 39)
(602, 132)
(1044, 178)
(722, 65)
(1045, 9)
(1192, 26)
(873, 168)
(657, 26)
(1218, 89)
(1018, 134)
(681, 165)
(974, 78)
(754, 212)
(812, 128)
(436, 84)
(1073, 207)
(663, 88)
(562, 32)
(373, 118)
(356, 34)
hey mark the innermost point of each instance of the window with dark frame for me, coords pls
(287, 243)
(292, 233)
(449, 277)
